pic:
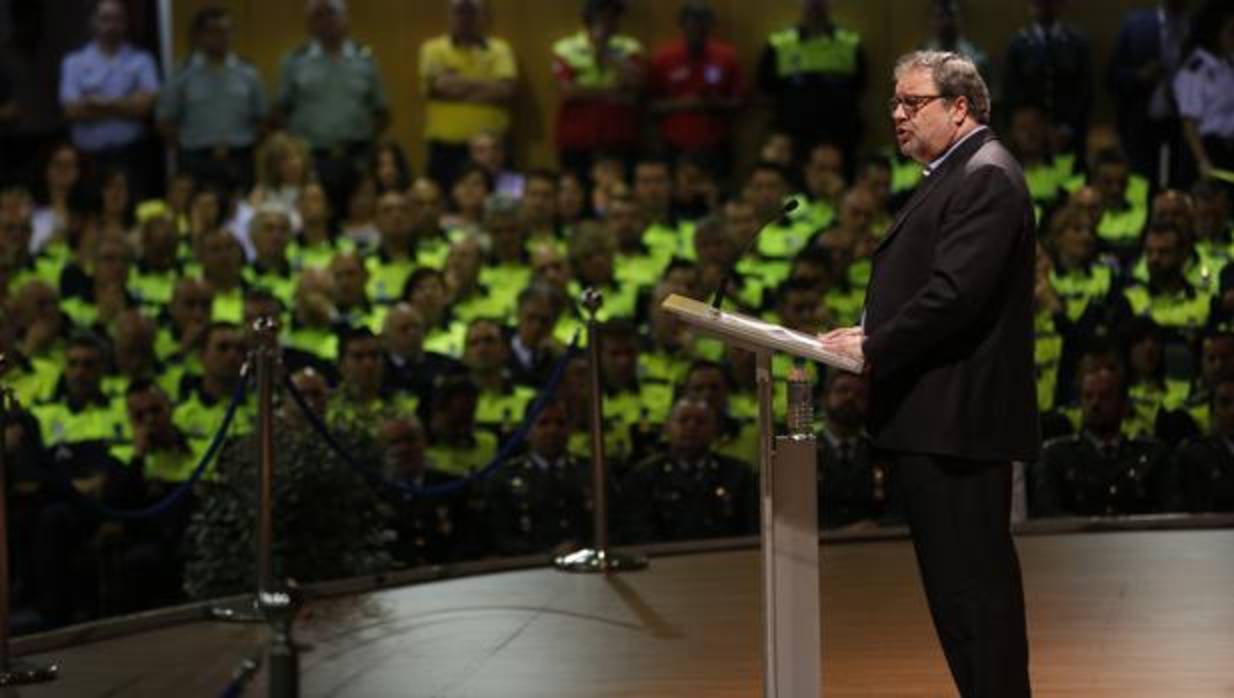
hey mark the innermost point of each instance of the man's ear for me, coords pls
(960, 110)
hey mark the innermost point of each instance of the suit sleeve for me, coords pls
(979, 235)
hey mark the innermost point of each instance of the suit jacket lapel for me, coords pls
(961, 154)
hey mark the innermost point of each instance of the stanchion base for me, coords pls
(25, 673)
(588, 561)
(250, 611)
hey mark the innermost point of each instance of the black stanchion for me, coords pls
(12, 672)
(598, 558)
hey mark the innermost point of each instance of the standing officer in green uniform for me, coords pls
(540, 502)
(1100, 472)
(330, 94)
(815, 75)
(687, 491)
(1206, 465)
(213, 107)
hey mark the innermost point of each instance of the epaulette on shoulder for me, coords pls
(1195, 64)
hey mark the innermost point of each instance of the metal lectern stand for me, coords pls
(792, 636)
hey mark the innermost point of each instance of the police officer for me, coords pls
(1206, 465)
(853, 483)
(1168, 298)
(815, 75)
(687, 491)
(330, 94)
(214, 106)
(539, 502)
(1099, 472)
(78, 410)
(429, 527)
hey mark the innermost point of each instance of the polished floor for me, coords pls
(1117, 615)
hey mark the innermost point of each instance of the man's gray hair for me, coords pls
(954, 76)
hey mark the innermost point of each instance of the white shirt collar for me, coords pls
(937, 162)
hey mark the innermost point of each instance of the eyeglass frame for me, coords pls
(920, 102)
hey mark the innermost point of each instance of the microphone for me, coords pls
(788, 207)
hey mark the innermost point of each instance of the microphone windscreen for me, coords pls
(790, 206)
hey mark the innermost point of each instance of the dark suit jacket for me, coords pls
(949, 314)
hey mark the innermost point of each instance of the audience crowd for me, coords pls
(431, 308)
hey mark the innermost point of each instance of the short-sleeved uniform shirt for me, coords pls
(454, 121)
(331, 101)
(214, 105)
(715, 74)
(1205, 92)
(88, 72)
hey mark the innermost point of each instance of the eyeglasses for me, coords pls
(911, 103)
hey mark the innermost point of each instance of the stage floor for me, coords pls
(1126, 615)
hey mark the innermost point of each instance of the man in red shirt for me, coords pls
(696, 84)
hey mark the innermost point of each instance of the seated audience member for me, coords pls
(158, 458)
(539, 209)
(533, 350)
(715, 251)
(204, 399)
(539, 502)
(50, 218)
(390, 168)
(670, 345)
(1100, 472)
(432, 242)
(500, 401)
(687, 491)
(468, 193)
(1216, 365)
(96, 299)
(468, 297)
(853, 482)
(363, 395)
(134, 359)
(631, 404)
(1156, 395)
(394, 257)
(638, 264)
(270, 232)
(571, 205)
(738, 436)
(507, 270)
(696, 190)
(456, 446)
(767, 188)
(352, 307)
(428, 528)
(426, 291)
(1123, 217)
(1206, 464)
(284, 169)
(593, 261)
(222, 266)
(1030, 141)
(825, 184)
(317, 240)
(653, 195)
(360, 209)
(312, 330)
(157, 267)
(488, 150)
(78, 410)
(1168, 298)
(183, 321)
(409, 367)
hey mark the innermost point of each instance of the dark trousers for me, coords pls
(230, 169)
(959, 513)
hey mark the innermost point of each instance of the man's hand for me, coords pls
(845, 341)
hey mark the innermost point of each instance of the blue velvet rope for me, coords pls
(516, 439)
(181, 490)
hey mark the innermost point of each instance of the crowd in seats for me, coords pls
(432, 309)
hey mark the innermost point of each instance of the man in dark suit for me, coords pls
(1148, 53)
(947, 340)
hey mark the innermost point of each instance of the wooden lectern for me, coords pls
(792, 635)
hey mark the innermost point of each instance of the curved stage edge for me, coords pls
(1125, 608)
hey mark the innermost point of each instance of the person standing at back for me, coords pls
(947, 341)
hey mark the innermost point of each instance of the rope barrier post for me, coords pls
(265, 358)
(11, 673)
(598, 558)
